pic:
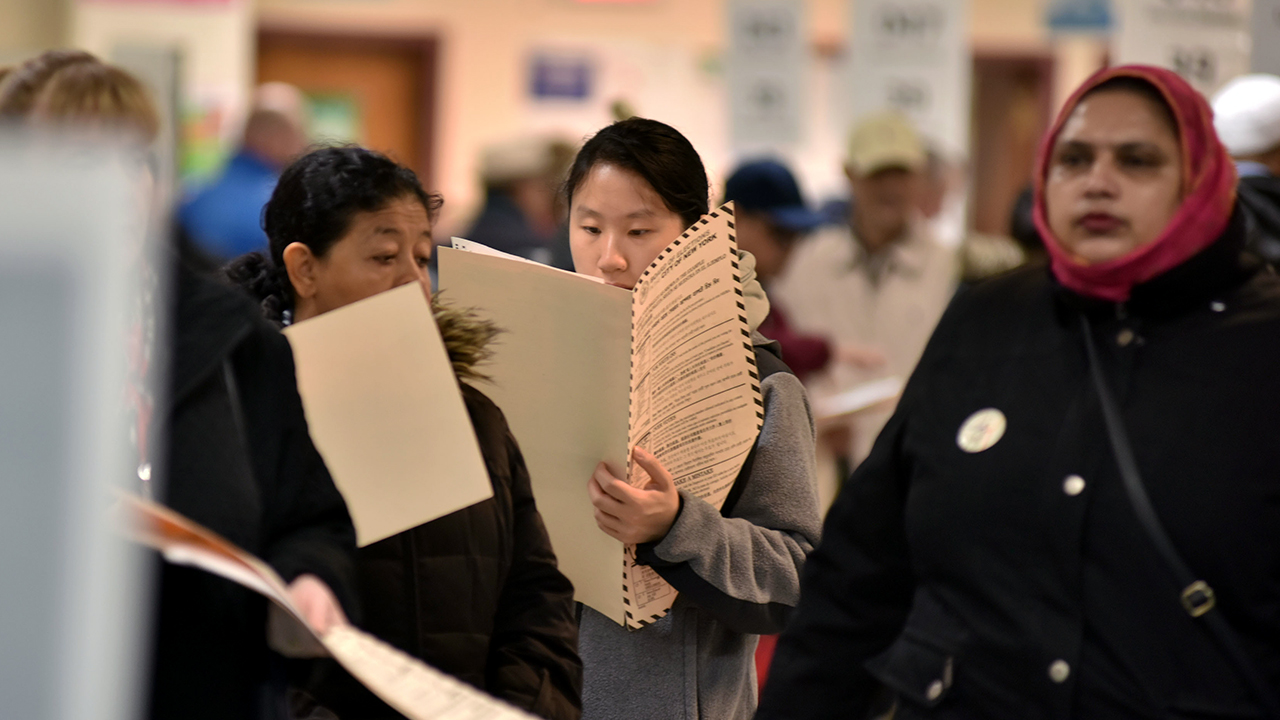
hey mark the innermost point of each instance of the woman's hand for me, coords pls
(316, 603)
(635, 515)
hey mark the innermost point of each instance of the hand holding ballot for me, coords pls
(316, 604)
(635, 514)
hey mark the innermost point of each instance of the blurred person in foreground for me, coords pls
(770, 219)
(523, 213)
(878, 281)
(994, 558)
(225, 217)
(475, 593)
(237, 457)
(1246, 114)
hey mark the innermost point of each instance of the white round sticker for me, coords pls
(981, 430)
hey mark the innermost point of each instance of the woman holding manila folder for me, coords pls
(475, 593)
(633, 189)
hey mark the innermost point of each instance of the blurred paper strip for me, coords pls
(385, 411)
(409, 685)
(857, 399)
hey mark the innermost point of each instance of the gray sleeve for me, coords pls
(745, 570)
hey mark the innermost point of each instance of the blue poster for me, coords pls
(560, 77)
(1077, 15)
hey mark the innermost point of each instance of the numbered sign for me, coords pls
(913, 56)
(1265, 29)
(1204, 41)
(766, 73)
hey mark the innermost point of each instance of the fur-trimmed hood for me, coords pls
(467, 337)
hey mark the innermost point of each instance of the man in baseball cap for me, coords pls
(877, 281)
(770, 218)
(1246, 114)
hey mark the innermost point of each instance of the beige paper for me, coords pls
(585, 371)
(385, 412)
(407, 684)
(559, 372)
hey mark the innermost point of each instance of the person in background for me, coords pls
(943, 207)
(1022, 228)
(475, 593)
(1246, 114)
(633, 189)
(1073, 435)
(770, 219)
(21, 85)
(225, 217)
(237, 456)
(522, 213)
(878, 281)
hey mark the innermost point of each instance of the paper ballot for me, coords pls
(405, 683)
(859, 398)
(585, 371)
(385, 412)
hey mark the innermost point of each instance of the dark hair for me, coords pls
(1142, 88)
(314, 203)
(20, 86)
(656, 152)
(1022, 225)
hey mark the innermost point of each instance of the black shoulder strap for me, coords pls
(768, 362)
(1197, 597)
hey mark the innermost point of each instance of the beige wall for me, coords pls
(484, 51)
(485, 43)
(28, 26)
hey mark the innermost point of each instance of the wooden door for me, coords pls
(1011, 110)
(386, 84)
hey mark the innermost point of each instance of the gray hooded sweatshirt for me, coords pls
(738, 577)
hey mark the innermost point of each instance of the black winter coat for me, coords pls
(1016, 582)
(1260, 198)
(239, 461)
(475, 593)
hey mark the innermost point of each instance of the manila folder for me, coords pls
(386, 413)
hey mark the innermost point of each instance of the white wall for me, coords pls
(217, 42)
(662, 55)
(29, 26)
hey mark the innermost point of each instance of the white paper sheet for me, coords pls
(386, 413)
(866, 396)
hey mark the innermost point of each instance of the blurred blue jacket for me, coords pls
(225, 217)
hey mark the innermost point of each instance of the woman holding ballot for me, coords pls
(633, 189)
(1074, 511)
(475, 593)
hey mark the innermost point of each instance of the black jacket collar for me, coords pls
(1208, 275)
(209, 320)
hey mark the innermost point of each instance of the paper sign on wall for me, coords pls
(1204, 41)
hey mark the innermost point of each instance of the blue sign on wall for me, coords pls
(1079, 15)
(561, 77)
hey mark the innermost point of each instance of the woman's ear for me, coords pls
(301, 266)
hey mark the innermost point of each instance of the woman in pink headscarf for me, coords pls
(1075, 511)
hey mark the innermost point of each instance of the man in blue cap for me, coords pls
(770, 218)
